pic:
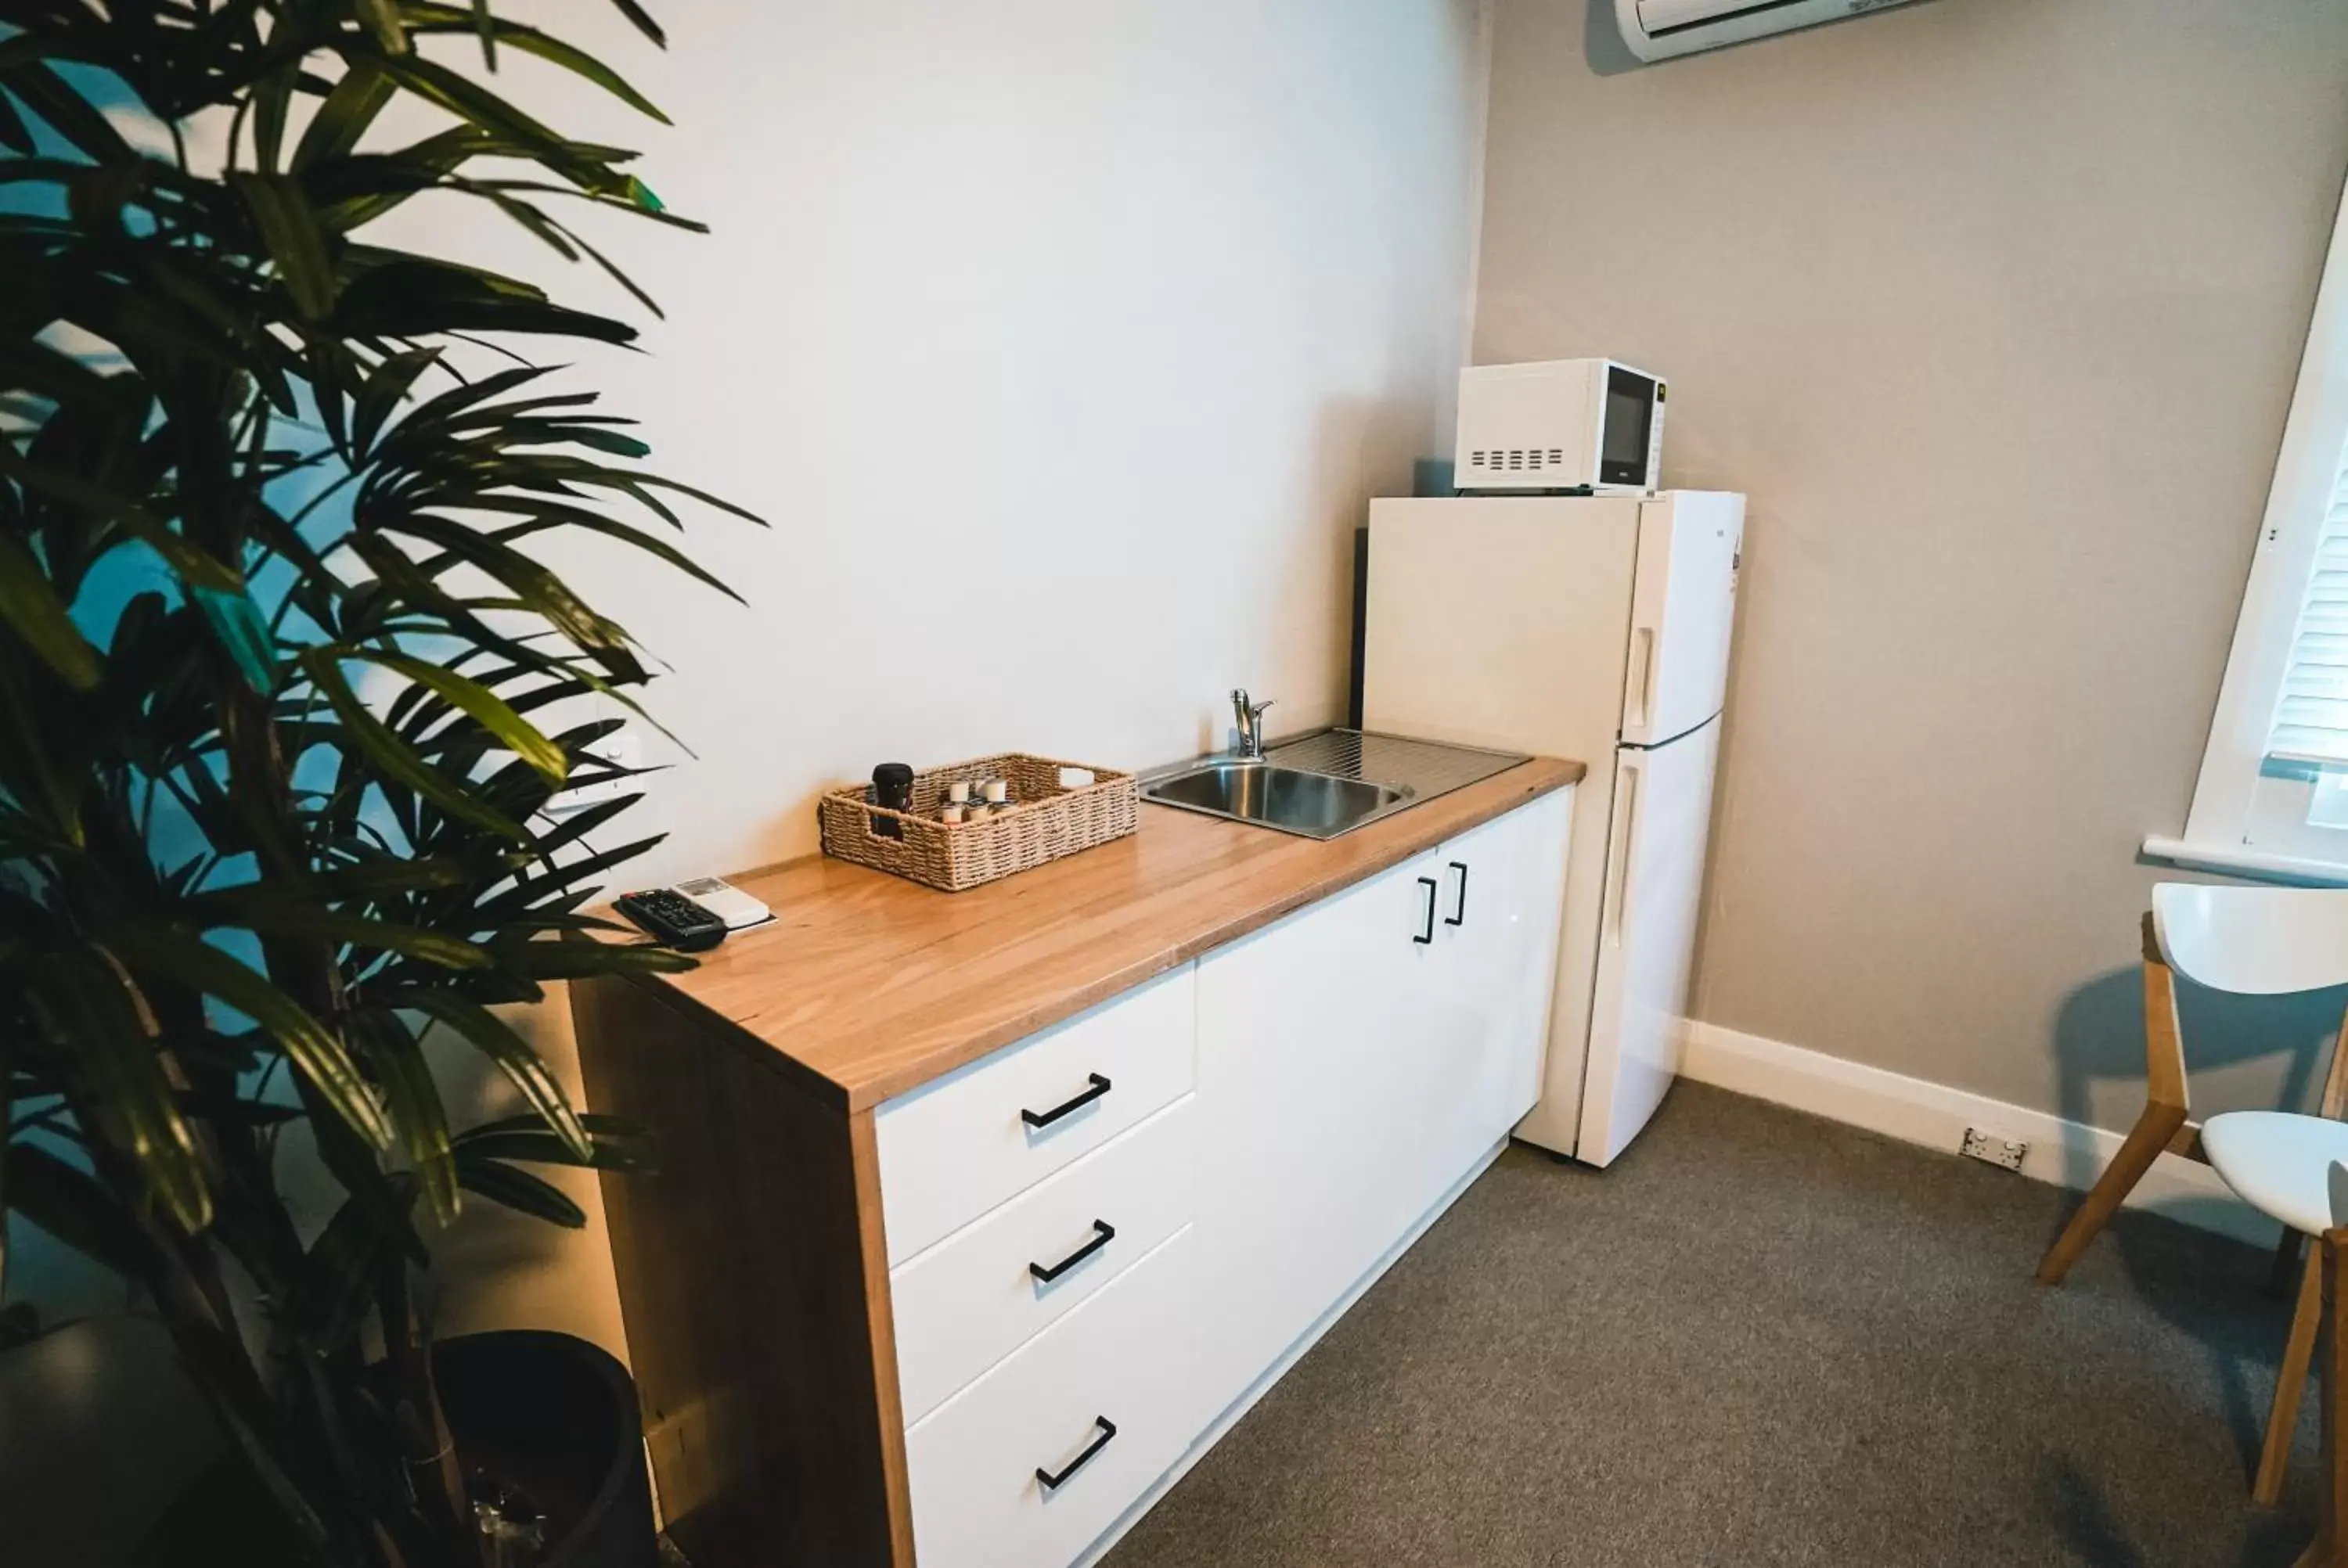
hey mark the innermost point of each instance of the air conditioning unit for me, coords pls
(1658, 29)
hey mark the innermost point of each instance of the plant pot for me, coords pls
(547, 1415)
(556, 1417)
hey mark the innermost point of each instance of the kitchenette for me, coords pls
(865, 786)
(1056, 1111)
(981, 1213)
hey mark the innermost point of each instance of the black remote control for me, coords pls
(672, 918)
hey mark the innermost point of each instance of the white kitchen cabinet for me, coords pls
(1503, 884)
(953, 1149)
(1355, 1061)
(981, 1319)
(1306, 1057)
(966, 1302)
(1033, 1461)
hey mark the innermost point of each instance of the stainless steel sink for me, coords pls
(1318, 806)
(1324, 784)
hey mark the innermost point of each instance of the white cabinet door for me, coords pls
(1355, 1061)
(1478, 1067)
(1313, 1040)
(1503, 897)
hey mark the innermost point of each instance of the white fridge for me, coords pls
(1593, 628)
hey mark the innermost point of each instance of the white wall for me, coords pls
(1061, 342)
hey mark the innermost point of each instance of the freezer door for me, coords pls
(1683, 609)
(1646, 938)
(1499, 622)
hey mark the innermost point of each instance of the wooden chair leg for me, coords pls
(2151, 1134)
(2291, 1383)
(2162, 1125)
(2274, 1458)
(2326, 1551)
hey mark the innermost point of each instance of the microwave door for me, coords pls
(1626, 429)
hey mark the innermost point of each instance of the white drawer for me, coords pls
(952, 1150)
(1121, 1360)
(976, 1297)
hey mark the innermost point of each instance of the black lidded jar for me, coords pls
(893, 786)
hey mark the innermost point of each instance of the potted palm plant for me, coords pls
(285, 689)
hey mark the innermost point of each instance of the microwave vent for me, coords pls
(1517, 458)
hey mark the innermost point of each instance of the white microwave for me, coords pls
(1591, 426)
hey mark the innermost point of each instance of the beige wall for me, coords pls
(1993, 307)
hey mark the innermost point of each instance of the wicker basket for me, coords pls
(1047, 821)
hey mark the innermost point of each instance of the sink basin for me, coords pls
(1317, 805)
(1324, 783)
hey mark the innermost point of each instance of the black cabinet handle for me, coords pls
(1044, 1118)
(1426, 938)
(1108, 1430)
(1103, 1233)
(1459, 916)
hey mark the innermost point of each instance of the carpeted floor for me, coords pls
(1762, 1338)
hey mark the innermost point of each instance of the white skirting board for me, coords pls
(2066, 1153)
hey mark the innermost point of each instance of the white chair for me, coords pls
(2290, 1168)
(2252, 941)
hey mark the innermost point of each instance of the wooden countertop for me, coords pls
(867, 985)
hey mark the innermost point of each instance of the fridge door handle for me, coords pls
(1618, 858)
(1642, 678)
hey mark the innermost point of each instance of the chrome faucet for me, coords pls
(1250, 723)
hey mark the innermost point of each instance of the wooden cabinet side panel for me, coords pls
(872, 1256)
(754, 1289)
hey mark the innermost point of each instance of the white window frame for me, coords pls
(2313, 438)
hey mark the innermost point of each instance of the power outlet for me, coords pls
(2002, 1153)
(621, 749)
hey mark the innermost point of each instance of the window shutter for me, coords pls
(2312, 720)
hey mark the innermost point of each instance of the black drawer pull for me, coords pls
(1426, 938)
(1099, 1087)
(1108, 1430)
(1103, 1233)
(1459, 916)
